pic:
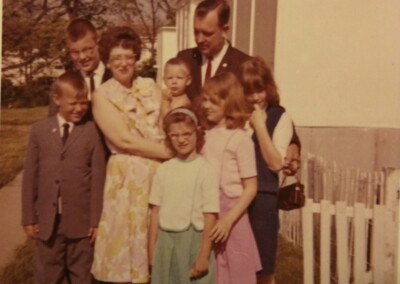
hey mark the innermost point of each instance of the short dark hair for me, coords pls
(255, 76)
(177, 117)
(124, 37)
(178, 61)
(72, 78)
(79, 28)
(222, 7)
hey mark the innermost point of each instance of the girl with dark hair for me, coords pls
(272, 132)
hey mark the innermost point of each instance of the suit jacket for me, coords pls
(230, 62)
(75, 171)
(53, 109)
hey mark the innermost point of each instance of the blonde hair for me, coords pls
(225, 87)
(72, 78)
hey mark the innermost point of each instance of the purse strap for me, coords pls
(284, 179)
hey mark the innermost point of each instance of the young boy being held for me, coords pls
(176, 77)
(62, 188)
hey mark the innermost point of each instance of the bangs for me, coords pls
(252, 83)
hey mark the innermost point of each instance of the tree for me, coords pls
(33, 30)
(33, 38)
(147, 16)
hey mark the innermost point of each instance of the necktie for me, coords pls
(91, 77)
(208, 70)
(65, 132)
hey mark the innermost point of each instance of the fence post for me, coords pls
(308, 241)
(342, 243)
(325, 242)
(360, 244)
(378, 244)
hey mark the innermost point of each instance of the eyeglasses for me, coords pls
(87, 51)
(184, 135)
(119, 59)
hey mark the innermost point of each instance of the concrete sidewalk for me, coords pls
(11, 230)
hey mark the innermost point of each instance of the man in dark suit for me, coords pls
(82, 42)
(62, 187)
(214, 55)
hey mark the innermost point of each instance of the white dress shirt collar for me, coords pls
(61, 122)
(98, 77)
(216, 61)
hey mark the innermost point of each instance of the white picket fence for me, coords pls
(348, 238)
(359, 260)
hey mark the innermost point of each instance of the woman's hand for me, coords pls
(292, 160)
(258, 117)
(221, 230)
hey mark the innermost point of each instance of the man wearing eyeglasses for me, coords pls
(82, 42)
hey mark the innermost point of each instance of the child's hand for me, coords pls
(221, 230)
(31, 231)
(292, 160)
(258, 117)
(200, 267)
(166, 94)
(92, 234)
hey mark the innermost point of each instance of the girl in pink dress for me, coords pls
(224, 112)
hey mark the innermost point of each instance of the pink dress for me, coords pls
(231, 152)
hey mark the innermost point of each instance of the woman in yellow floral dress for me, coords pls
(126, 108)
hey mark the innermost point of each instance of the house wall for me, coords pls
(166, 48)
(253, 26)
(337, 65)
(364, 148)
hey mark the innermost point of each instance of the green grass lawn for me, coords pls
(14, 132)
(289, 264)
(22, 116)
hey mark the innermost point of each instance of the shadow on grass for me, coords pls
(20, 269)
(289, 265)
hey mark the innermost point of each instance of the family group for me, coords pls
(127, 182)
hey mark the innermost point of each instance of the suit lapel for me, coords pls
(54, 129)
(225, 62)
(196, 72)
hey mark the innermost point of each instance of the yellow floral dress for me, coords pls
(121, 244)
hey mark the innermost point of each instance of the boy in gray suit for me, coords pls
(62, 188)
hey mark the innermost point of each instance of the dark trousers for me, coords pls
(61, 257)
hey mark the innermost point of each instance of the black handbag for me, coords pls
(291, 196)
